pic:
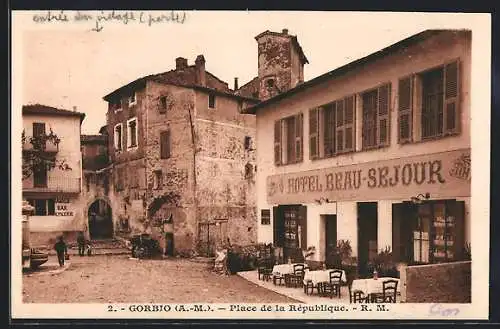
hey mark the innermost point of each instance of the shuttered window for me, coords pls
(376, 119)
(405, 113)
(38, 129)
(336, 121)
(165, 144)
(438, 96)
(288, 137)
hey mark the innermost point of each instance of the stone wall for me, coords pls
(438, 283)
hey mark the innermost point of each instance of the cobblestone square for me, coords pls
(118, 279)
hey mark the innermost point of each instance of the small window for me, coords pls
(158, 179)
(265, 217)
(270, 83)
(132, 133)
(132, 99)
(43, 207)
(211, 101)
(255, 94)
(249, 171)
(117, 107)
(165, 144)
(118, 137)
(163, 104)
(248, 143)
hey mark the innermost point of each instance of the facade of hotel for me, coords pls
(376, 152)
(55, 193)
(183, 160)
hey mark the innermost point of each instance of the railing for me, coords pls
(53, 184)
(50, 147)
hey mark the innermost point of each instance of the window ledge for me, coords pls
(430, 139)
(132, 148)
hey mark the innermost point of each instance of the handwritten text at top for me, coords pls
(103, 17)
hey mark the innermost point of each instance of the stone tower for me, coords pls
(281, 63)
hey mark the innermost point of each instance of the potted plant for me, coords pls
(384, 264)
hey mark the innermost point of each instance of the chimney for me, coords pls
(235, 83)
(181, 63)
(285, 31)
(74, 108)
(200, 70)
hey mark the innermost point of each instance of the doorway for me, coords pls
(100, 220)
(367, 235)
(330, 234)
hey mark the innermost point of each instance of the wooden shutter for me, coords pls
(329, 129)
(451, 112)
(405, 110)
(277, 143)
(302, 221)
(339, 124)
(298, 136)
(38, 129)
(384, 98)
(278, 227)
(165, 144)
(162, 105)
(314, 133)
(349, 131)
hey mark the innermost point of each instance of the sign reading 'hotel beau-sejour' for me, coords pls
(443, 175)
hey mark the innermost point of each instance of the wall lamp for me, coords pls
(323, 200)
(420, 198)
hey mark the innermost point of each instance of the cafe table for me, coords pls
(371, 286)
(321, 276)
(280, 270)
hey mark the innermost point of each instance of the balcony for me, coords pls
(49, 146)
(53, 184)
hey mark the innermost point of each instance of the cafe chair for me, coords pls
(389, 292)
(295, 279)
(332, 287)
(265, 269)
(278, 279)
(356, 296)
(308, 287)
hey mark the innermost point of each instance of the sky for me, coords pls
(66, 64)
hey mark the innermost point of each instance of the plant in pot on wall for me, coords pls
(384, 264)
(340, 257)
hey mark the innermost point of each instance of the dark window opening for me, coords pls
(163, 104)
(40, 176)
(133, 133)
(211, 101)
(165, 144)
(249, 171)
(248, 143)
(158, 179)
(432, 103)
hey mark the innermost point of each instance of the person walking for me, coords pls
(81, 243)
(61, 250)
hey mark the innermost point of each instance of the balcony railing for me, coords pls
(53, 184)
(50, 147)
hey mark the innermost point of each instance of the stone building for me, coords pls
(376, 152)
(183, 159)
(52, 133)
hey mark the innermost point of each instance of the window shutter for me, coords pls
(451, 95)
(339, 120)
(329, 129)
(302, 221)
(165, 144)
(278, 227)
(277, 142)
(384, 98)
(162, 105)
(298, 137)
(349, 131)
(405, 117)
(314, 133)
(38, 129)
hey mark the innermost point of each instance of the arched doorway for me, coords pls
(100, 220)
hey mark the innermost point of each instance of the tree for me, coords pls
(37, 158)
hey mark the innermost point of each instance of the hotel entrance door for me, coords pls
(367, 235)
(290, 230)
